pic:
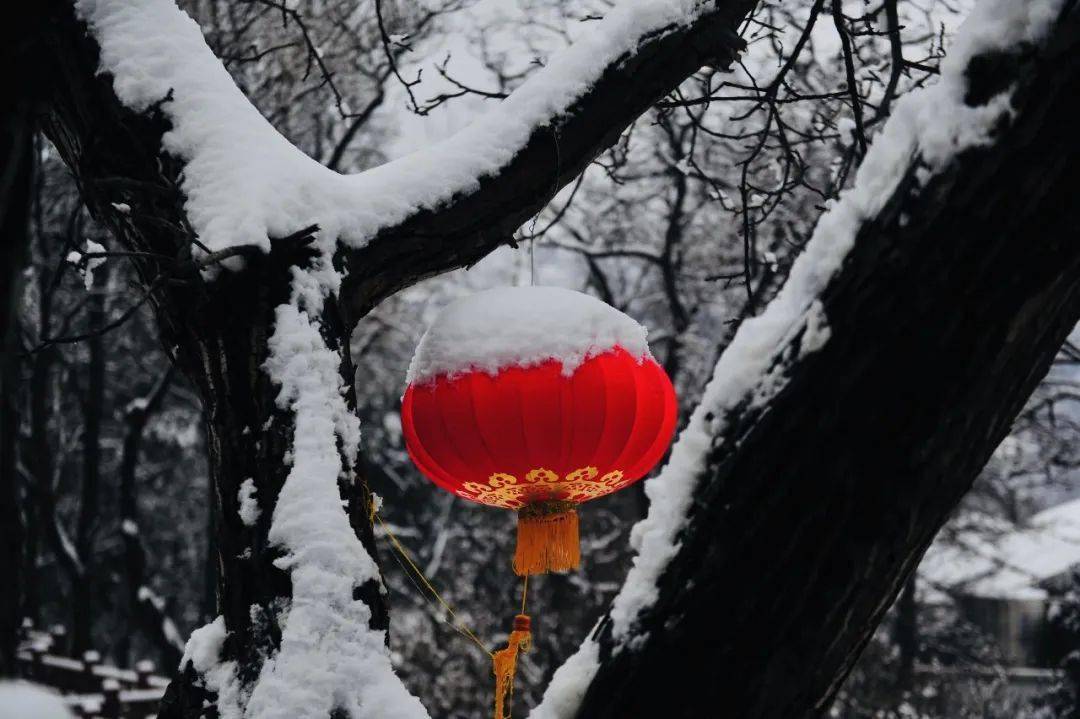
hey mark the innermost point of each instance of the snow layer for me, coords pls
(249, 506)
(24, 700)
(87, 270)
(329, 657)
(152, 49)
(569, 683)
(522, 326)
(203, 650)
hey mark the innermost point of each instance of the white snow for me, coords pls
(86, 266)
(569, 683)
(25, 700)
(152, 48)
(522, 326)
(171, 634)
(203, 650)
(1007, 563)
(168, 627)
(249, 506)
(817, 329)
(329, 657)
(139, 404)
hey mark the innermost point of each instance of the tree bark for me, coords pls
(21, 90)
(811, 512)
(16, 173)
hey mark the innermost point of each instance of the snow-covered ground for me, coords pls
(25, 700)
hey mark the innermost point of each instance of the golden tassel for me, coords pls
(547, 538)
(505, 662)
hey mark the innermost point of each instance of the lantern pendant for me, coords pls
(536, 399)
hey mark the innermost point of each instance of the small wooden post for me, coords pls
(144, 669)
(90, 659)
(59, 636)
(110, 708)
(37, 667)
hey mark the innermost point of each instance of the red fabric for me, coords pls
(530, 434)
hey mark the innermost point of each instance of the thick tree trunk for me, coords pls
(814, 509)
(248, 438)
(215, 331)
(21, 89)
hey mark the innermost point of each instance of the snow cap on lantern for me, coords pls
(536, 399)
(522, 327)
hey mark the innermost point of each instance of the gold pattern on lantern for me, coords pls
(499, 479)
(613, 478)
(534, 476)
(585, 474)
(507, 491)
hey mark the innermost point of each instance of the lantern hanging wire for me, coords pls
(503, 661)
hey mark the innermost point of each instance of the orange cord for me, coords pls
(504, 661)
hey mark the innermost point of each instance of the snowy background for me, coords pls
(689, 224)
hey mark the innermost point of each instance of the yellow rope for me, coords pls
(504, 661)
(524, 645)
(457, 624)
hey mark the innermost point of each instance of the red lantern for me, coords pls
(534, 433)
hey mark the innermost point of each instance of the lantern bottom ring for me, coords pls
(547, 538)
